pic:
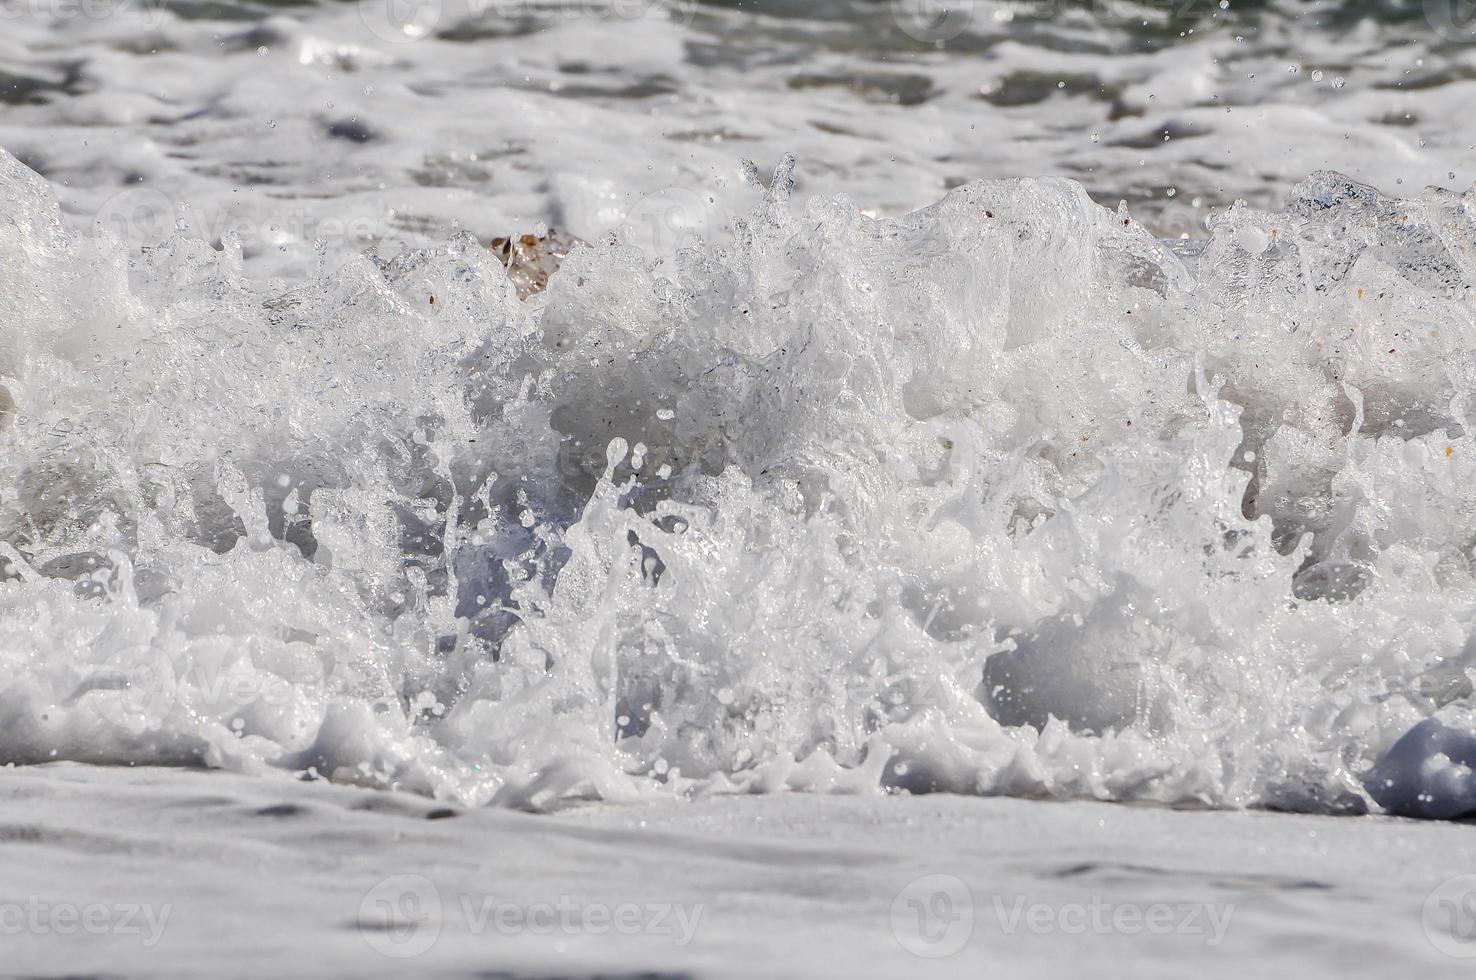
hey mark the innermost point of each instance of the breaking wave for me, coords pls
(1002, 496)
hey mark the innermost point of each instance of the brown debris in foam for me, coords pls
(531, 259)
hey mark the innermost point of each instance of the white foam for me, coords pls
(1000, 496)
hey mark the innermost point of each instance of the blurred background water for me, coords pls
(366, 124)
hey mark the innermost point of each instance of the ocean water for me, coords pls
(1058, 401)
(218, 873)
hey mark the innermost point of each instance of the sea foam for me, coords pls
(1001, 496)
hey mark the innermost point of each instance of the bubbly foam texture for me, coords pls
(294, 123)
(1002, 496)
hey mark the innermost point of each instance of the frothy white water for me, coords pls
(1003, 496)
(290, 123)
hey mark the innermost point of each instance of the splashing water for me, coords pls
(1003, 496)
